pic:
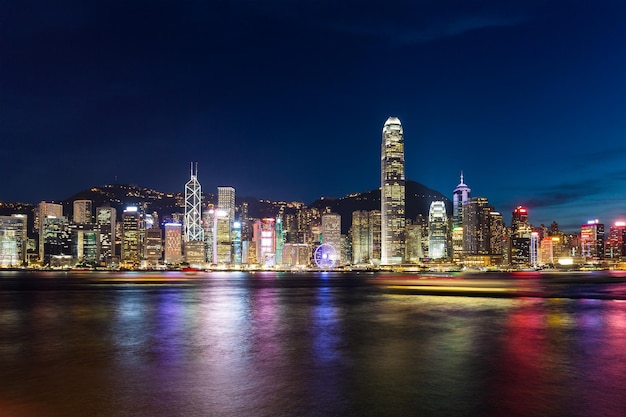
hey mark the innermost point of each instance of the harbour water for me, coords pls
(311, 344)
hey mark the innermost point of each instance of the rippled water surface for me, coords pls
(311, 344)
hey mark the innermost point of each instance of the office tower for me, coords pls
(361, 239)
(131, 237)
(46, 209)
(226, 201)
(237, 255)
(222, 247)
(54, 241)
(551, 250)
(264, 237)
(280, 238)
(153, 246)
(173, 253)
(209, 224)
(616, 242)
(414, 245)
(193, 208)
(85, 244)
(519, 222)
(520, 241)
(105, 223)
(13, 240)
(534, 248)
(331, 234)
(592, 240)
(392, 193)
(296, 255)
(437, 231)
(83, 212)
(482, 233)
(460, 196)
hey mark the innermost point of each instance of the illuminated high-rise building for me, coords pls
(483, 230)
(264, 237)
(193, 208)
(392, 193)
(85, 244)
(54, 240)
(45, 209)
(331, 233)
(361, 239)
(437, 230)
(460, 196)
(173, 252)
(226, 201)
(222, 248)
(616, 242)
(13, 240)
(153, 246)
(83, 212)
(592, 240)
(131, 237)
(105, 223)
(520, 241)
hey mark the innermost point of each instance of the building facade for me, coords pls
(392, 193)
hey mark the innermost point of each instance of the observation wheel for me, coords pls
(325, 256)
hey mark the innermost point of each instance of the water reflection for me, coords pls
(302, 344)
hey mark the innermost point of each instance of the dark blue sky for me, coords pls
(286, 99)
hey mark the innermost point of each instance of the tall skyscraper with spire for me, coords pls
(460, 197)
(193, 208)
(392, 193)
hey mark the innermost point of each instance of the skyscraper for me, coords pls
(392, 193)
(226, 201)
(83, 211)
(437, 230)
(131, 237)
(193, 208)
(460, 196)
(105, 221)
(331, 233)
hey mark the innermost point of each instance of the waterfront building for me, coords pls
(209, 225)
(616, 242)
(264, 237)
(460, 197)
(45, 209)
(54, 241)
(226, 201)
(153, 246)
(193, 208)
(414, 242)
(592, 240)
(83, 212)
(534, 248)
(13, 240)
(482, 233)
(85, 244)
(360, 237)
(520, 242)
(331, 234)
(173, 244)
(437, 231)
(296, 255)
(223, 243)
(237, 243)
(392, 193)
(105, 224)
(131, 237)
(551, 250)
(280, 239)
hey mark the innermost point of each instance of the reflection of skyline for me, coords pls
(276, 344)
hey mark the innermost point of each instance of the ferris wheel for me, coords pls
(325, 256)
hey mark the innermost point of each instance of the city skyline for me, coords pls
(286, 102)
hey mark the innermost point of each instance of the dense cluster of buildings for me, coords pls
(223, 235)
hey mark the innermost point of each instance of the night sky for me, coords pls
(286, 99)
